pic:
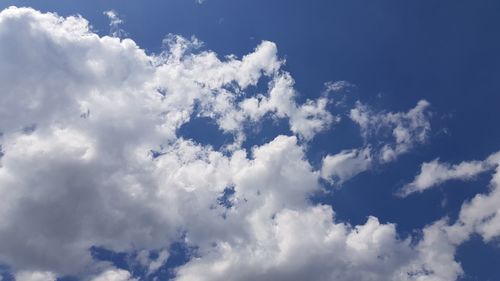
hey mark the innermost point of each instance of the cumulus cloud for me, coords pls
(91, 157)
(436, 255)
(306, 244)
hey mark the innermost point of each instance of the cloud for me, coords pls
(114, 275)
(338, 86)
(396, 132)
(113, 17)
(93, 108)
(91, 157)
(35, 276)
(436, 255)
(152, 265)
(306, 244)
(480, 215)
(386, 135)
(434, 173)
(114, 24)
(346, 164)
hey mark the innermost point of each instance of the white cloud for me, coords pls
(114, 275)
(346, 164)
(306, 244)
(338, 86)
(406, 129)
(35, 276)
(434, 173)
(81, 116)
(83, 173)
(114, 24)
(113, 17)
(436, 256)
(480, 215)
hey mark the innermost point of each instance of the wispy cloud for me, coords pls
(114, 24)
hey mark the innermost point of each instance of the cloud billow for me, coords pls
(81, 114)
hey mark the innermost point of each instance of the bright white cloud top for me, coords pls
(81, 114)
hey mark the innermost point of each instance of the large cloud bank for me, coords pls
(91, 157)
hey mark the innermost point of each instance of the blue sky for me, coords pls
(385, 57)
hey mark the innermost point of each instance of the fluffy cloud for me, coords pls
(81, 116)
(306, 244)
(91, 156)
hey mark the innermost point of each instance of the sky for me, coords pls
(249, 140)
